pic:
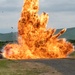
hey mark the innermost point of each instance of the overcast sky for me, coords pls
(61, 13)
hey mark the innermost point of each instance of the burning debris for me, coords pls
(34, 40)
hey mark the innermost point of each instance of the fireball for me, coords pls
(34, 40)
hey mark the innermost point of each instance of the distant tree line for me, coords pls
(72, 41)
(2, 43)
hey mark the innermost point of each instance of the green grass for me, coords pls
(2, 43)
(3, 64)
(16, 67)
(72, 54)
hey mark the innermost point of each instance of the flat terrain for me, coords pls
(64, 66)
(38, 67)
(25, 67)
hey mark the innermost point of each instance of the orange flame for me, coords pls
(34, 41)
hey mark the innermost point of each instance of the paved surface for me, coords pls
(65, 66)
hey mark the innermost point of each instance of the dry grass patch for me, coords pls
(13, 67)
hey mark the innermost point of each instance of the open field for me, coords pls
(38, 67)
(21, 67)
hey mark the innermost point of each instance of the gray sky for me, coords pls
(61, 13)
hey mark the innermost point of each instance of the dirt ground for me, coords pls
(38, 67)
(57, 66)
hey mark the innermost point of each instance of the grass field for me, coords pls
(9, 67)
(17, 67)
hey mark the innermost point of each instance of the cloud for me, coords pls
(9, 14)
(61, 13)
(57, 5)
(45, 5)
(8, 20)
(11, 6)
(61, 20)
